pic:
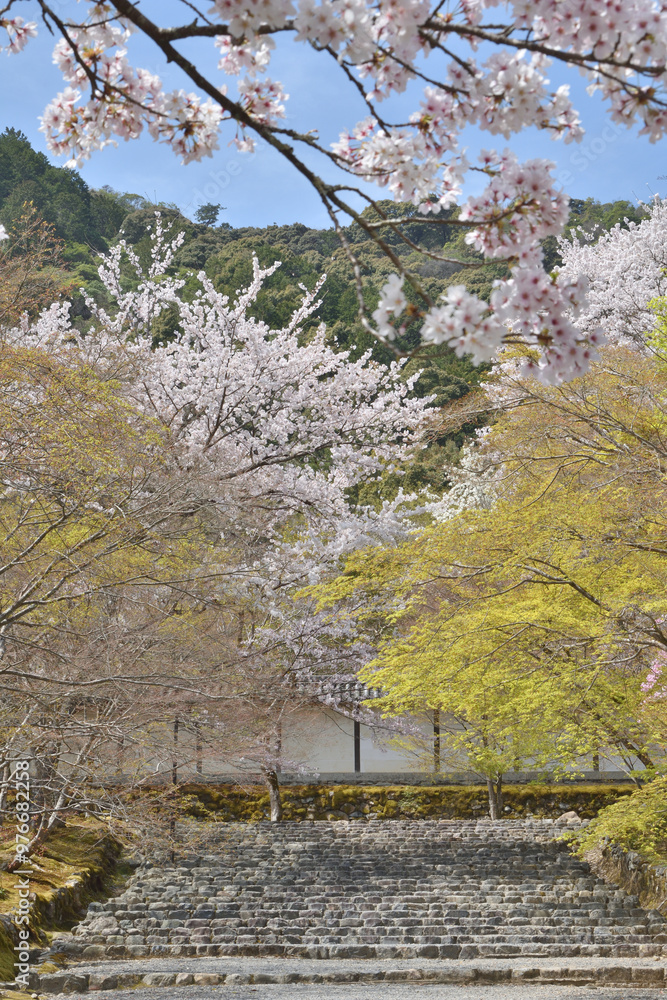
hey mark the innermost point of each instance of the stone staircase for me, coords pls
(352, 890)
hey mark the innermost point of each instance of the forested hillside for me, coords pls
(87, 222)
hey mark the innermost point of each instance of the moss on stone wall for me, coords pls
(73, 867)
(6, 952)
(309, 802)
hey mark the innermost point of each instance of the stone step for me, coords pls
(210, 972)
(380, 951)
(410, 888)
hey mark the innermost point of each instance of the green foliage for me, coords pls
(207, 215)
(636, 823)
(525, 623)
(657, 338)
(591, 214)
(61, 196)
(7, 954)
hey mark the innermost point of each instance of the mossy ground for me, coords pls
(306, 802)
(77, 849)
(79, 855)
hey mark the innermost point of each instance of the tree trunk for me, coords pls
(199, 750)
(4, 788)
(495, 796)
(44, 829)
(52, 803)
(273, 785)
(174, 762)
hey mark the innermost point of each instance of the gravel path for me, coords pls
(252, 966)
(369, 991)
(279, 979)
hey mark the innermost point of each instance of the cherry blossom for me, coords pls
(392, 302)
(275, 424)
(19, 32)
(273, 429)
(653, 686)
(474, 481)
(626, 269)
(137, 99)
(481, 63)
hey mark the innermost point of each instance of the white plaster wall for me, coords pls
(321, 741)
(324, 740)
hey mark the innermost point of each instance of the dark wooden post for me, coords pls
(198, 748)
(174, 763)
(357, 747)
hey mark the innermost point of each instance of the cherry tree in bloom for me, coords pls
(625, 269)
(277, 421)
(481, 63)
(273, 428)
(267, 432)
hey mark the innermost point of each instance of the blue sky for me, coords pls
(262, 189)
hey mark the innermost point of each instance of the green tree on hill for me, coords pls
(207, 215)
(61, 196)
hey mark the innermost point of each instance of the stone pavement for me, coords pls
(202, 972)
(448, 902)
(362, 991)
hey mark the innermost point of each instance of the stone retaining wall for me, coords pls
(633, 873)
(320, 802)
(408, 778)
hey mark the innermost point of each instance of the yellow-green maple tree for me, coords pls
(531, 624)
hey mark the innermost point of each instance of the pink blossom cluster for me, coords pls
(532, 306)
(522, 204)
(463, 321)
(652, 686)
(392, 303)
(541, 311)
(19, 32)
(263, 100)
(131, 99)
